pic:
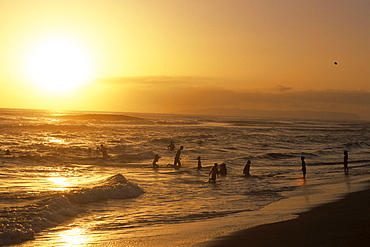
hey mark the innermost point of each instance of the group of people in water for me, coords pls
(345, 164)
(215, 170)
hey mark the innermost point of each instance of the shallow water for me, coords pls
(58, 190)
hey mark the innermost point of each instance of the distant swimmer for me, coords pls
(246, 170)
(103, 150)
(335, 63)
(199, 163)
(156, 158)
(223, 170)
(177, 157)
(303, 167)
(213, 173)
(171, 146)
(7, 152)
(345, 162)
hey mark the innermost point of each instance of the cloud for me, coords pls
(311, 100)
(283, 88)
(172, 94)
(214, 90)
(291, 97)
(328, 96)
(341, 101)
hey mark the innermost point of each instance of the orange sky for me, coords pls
(172, 55)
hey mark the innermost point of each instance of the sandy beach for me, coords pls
(342, 223)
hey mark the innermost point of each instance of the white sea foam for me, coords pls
(115, 187)
(21, 223)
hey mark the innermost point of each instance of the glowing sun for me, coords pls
(58, 65)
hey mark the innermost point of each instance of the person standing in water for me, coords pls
(177, 157)
(223, 169)
(247, 168)
(303, 167)
(103, 151)
(171, 146)
(213, 173)
(156, 158)
(345, 162)
(199, 163)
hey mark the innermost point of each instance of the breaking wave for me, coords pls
(20, 223)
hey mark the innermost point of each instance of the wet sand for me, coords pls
(342, 223)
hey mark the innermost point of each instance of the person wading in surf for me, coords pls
(247, 168)
(177, 157)
(303, 167)
(345, 162)
(213, 173)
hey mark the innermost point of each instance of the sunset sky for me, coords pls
(172, 55)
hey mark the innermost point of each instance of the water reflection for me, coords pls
(60, 183)
(301, 181)
(55, 140)
(72, 237)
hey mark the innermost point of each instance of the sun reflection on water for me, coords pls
(60, 183)
(55, 140)
(72, 237)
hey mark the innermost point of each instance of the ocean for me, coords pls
(58, 190)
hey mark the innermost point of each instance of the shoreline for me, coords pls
(233, 230)
(345, 222)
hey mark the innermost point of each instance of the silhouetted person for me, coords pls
(171, 146)
(7, 152)
(247, 168)
(345, 162)
(103, 150)
(303, 167)
(177, 157)
(223, 170)
(213, 173)
(156, 158)
(199, 163)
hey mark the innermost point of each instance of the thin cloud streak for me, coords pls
(173, 94)
(214, 92)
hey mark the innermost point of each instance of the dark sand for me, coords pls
(342, 223)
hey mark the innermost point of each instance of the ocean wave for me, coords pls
(339, 162)
(54, 126)
(184, 122)
(162, 140)
(203, 215)
(350, 145)
(269, 192)
(259, 123)
(173, 218)
(21, 223)
(8, 143)
(115, 187)
(133, 157)
(278, 156)
(102, 117)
